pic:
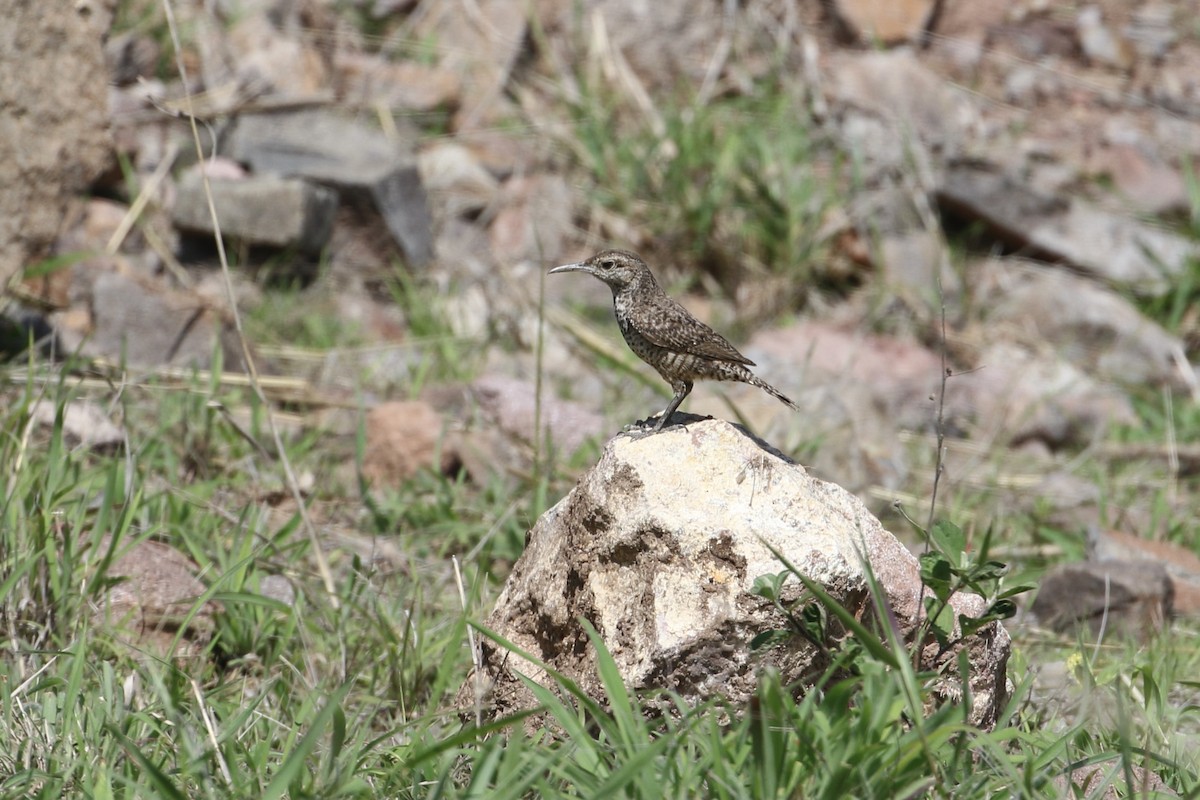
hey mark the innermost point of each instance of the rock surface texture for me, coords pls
(54, 138)
(659, 545)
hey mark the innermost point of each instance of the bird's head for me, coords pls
(620, 269)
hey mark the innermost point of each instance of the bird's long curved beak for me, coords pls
(578, 266)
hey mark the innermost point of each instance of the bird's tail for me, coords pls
(771, 390)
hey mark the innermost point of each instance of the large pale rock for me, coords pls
(659, 545)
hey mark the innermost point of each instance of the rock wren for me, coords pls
(663, 334)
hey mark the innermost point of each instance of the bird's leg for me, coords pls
(682, 390)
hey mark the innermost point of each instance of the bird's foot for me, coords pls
(639, 429)
(643, 427)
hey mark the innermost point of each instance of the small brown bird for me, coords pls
(663, 334)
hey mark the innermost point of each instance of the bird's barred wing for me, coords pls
(681, 332)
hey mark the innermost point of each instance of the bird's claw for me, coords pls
(641, 428)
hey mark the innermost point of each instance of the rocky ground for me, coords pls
(969, 219)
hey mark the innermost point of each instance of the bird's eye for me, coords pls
(607, 263)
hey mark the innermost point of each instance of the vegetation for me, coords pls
(351, 695)
(349, 689)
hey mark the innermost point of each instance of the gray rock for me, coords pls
(54, 138)
(278, 588)
(1110, 246)
(855, 390)
(368, 81)
(910, 99)
(659, 545)
(1124, 598)
(536, 220)
(1089, 325)
(887, 382)
(916, 263)
(894, 371)
(1182, 564)
(665, 42)
(84, 424)
(357, 160)
(1116, 247)
(262, 210)
(146, 325)
(1026, 84)
(1020, 395)
(456, 181)
(1145, 180)
(270, 61)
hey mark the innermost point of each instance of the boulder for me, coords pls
(659, 546)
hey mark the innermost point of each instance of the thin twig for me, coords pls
(148, 190)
